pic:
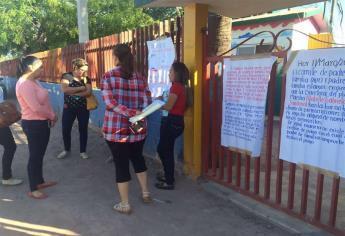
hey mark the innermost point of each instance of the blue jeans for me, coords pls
(37, 133)
(171, 127)
(68, 118)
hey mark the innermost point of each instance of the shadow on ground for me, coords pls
(81, 203)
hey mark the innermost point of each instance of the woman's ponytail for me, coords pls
(24, 64)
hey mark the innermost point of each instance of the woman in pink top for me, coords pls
(37, 118)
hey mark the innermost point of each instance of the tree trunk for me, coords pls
(219, 34)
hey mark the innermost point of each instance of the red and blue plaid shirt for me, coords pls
(123, 99)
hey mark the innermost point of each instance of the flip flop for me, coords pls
(42, 196)
(46, 185)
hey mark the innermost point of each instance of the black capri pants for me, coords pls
(122, 154)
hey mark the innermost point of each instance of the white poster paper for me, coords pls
(154, 106)
(161, 56)
(245, 84)
(314, 112)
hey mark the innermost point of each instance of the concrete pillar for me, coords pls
(83, 21)
(195, 19)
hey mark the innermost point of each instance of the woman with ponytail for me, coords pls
(125, 94)
(37, 118)
(172, 125)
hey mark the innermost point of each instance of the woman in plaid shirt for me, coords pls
(125, 94)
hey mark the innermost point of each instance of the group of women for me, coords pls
(125, 94)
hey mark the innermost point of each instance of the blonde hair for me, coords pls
(78, 63)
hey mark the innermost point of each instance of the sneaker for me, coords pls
(165, 186)
(63, 154)
(84, 155)
(11, 181)
(161, 178)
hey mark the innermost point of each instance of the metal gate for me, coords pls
(303, 193)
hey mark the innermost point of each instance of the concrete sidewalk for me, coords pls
(81, 204)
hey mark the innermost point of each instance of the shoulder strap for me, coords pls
(69, 74)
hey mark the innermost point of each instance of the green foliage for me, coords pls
(164, 13)
(28, 26)
(114, 16)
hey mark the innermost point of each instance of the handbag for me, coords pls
(91, 102)
(8, 114)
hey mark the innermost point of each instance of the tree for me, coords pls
(26, 28)
(114, 16)
(164, 13)
(219, 34)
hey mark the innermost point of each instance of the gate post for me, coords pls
(195, 19)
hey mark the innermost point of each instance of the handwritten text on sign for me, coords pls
(160, 58)
(244, 97)
(314, 112)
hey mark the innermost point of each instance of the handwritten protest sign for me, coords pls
(161, 54)
(245, 85)
(313, 123)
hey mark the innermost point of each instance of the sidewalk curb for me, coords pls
(280, 219)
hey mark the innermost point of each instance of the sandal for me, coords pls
(146, 198)
(37, 195)
(165, 186)
(123, 208)
(46, 184)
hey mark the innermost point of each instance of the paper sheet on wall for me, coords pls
(245, 84)
(161, 54)
(313, 122)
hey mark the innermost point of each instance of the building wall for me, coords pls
(338, 22)
(239, 35)
(10, 85)
(96, 116)
(300, 41)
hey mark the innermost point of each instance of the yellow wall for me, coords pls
(195, 19)
(314, 44)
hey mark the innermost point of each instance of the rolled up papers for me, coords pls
(154, 106)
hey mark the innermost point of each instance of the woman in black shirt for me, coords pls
(76, 86)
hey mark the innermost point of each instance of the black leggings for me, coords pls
(122, 154)
(7, 141)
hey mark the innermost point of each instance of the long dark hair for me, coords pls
(126, 60)
(24, 64)
(181, 72)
